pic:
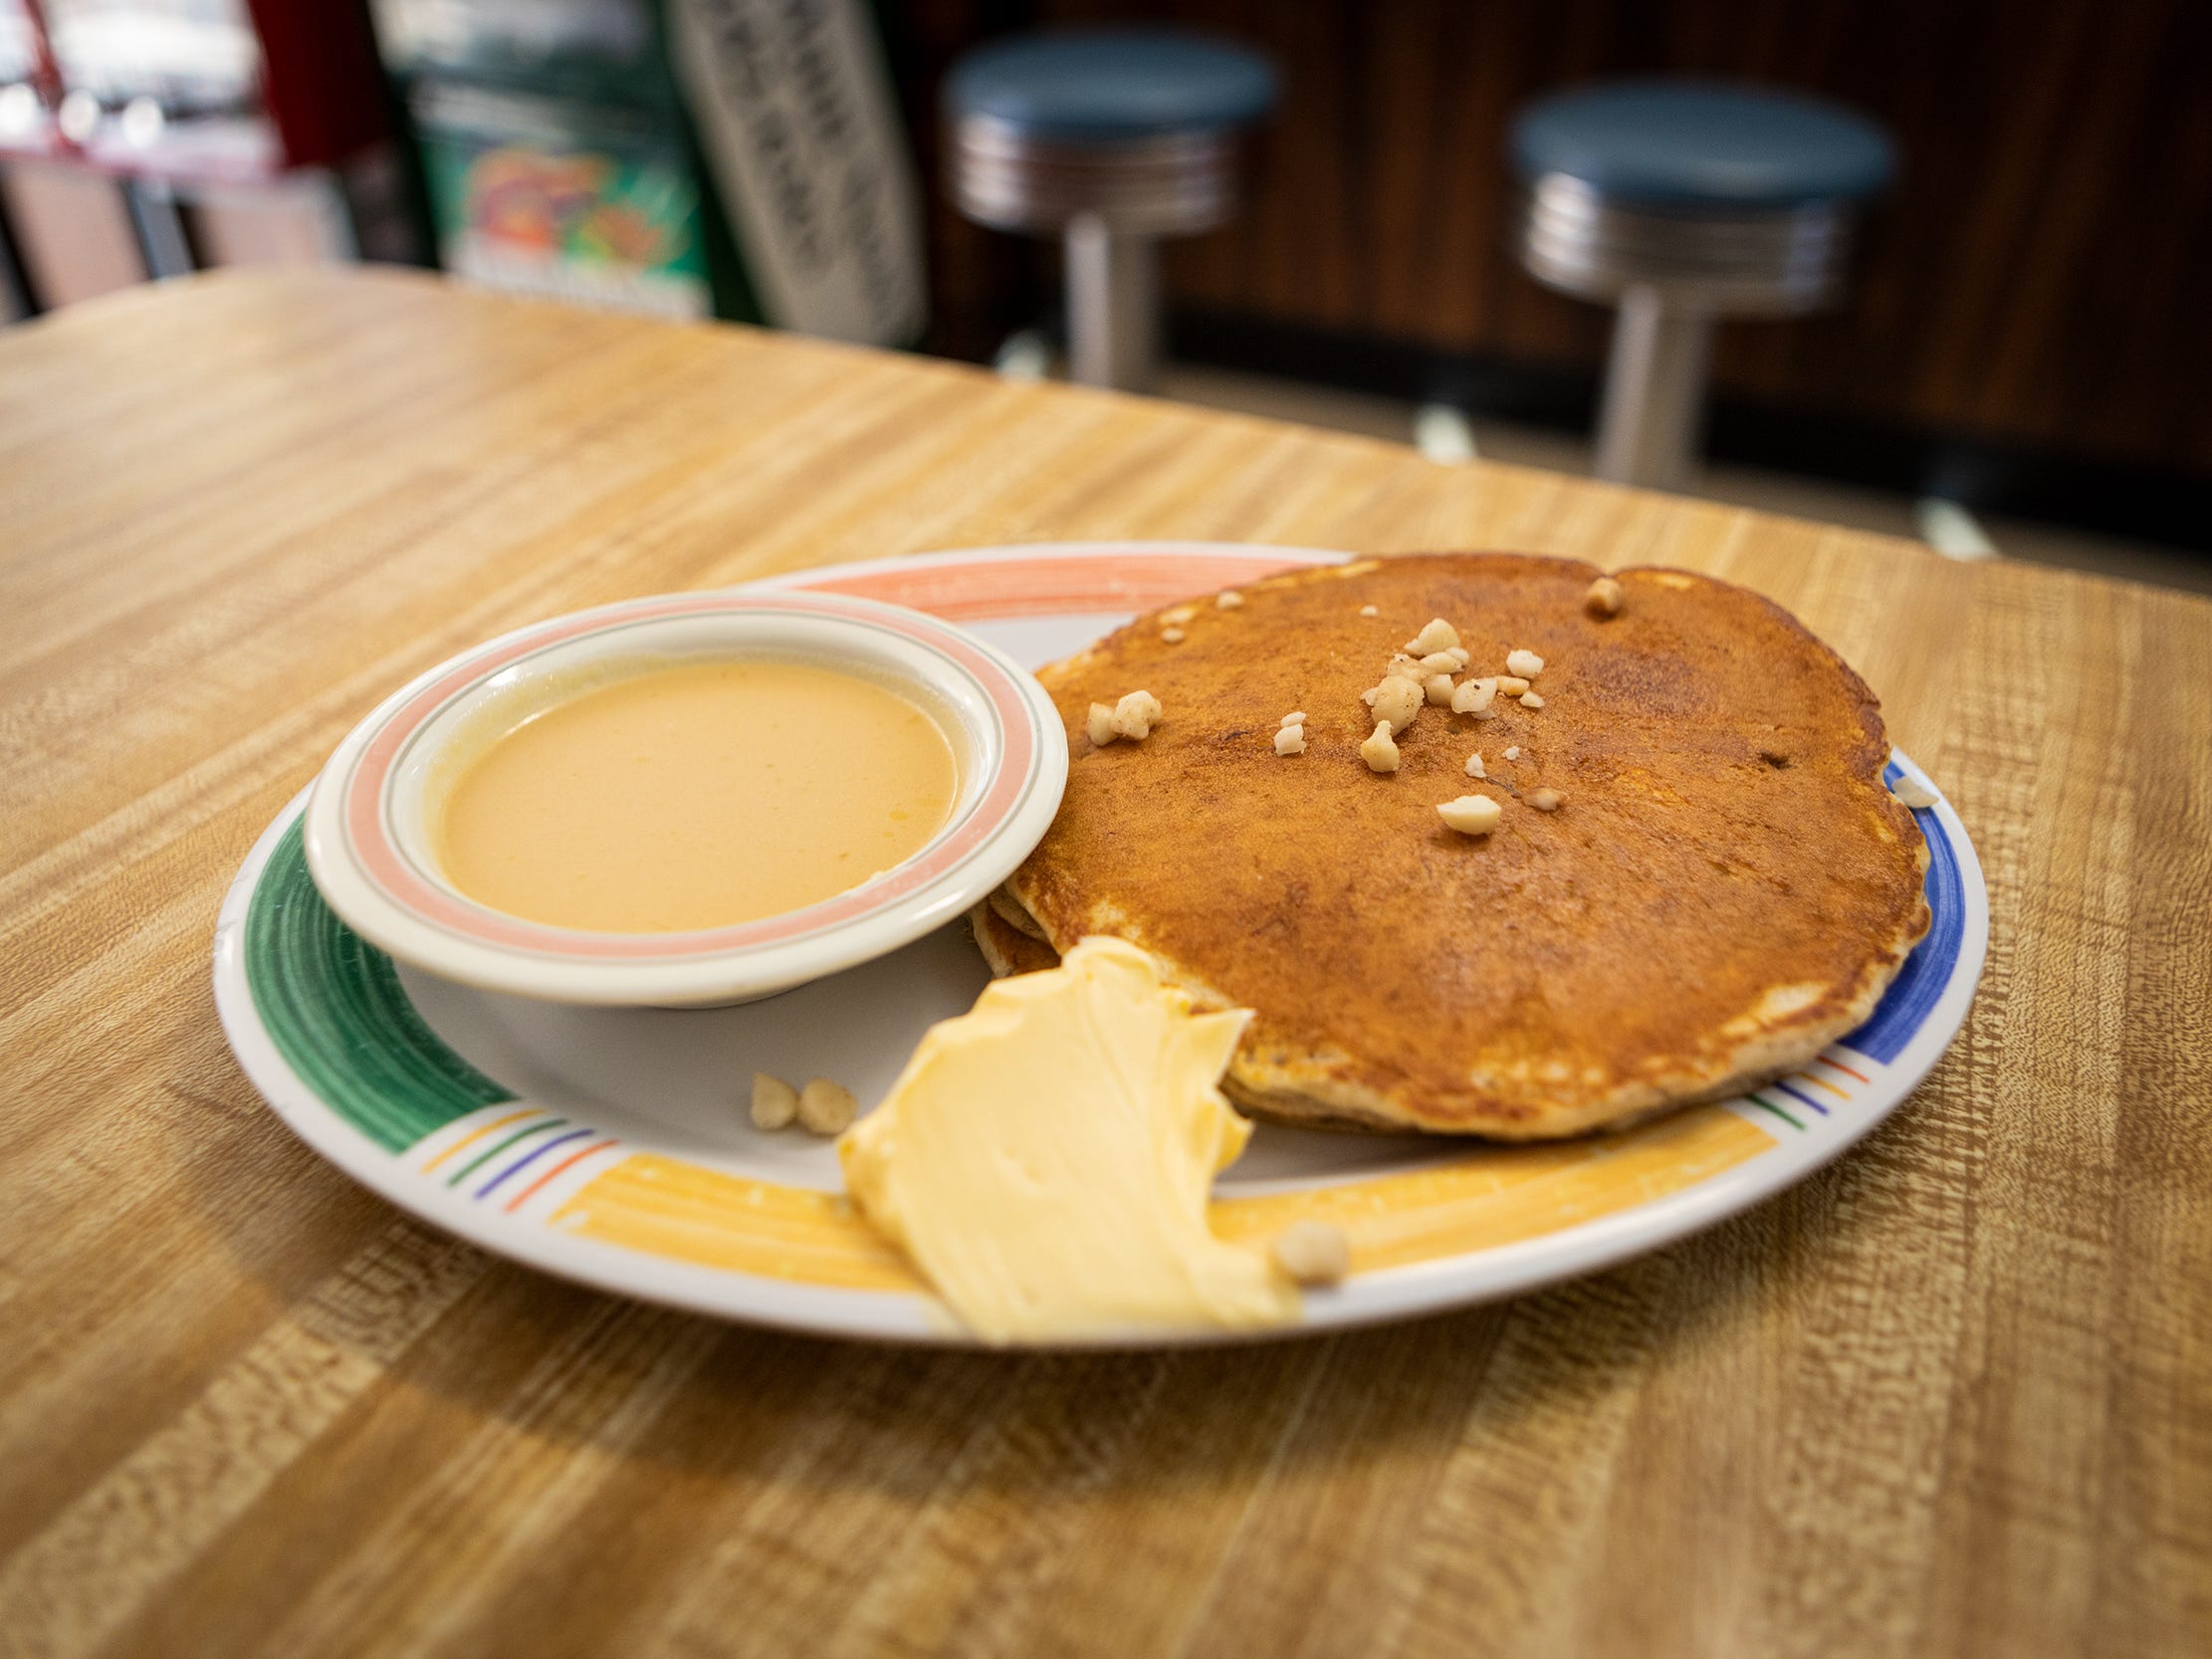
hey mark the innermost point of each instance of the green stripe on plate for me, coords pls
(332, 1006)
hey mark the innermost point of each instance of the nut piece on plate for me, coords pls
(1912, 792)
(1529, 700)
(1297, 717)
(1527, 664)
(825, 1108)
(1438, 635)
(1438, 689)
(1459, 657)
(1228, 598)
(1472, 814)
(1379, 753)
(1474, 765)
(1172, 636)
(1441, 662)
(1475, 697)
(1136, 714)
(775, 1102)
(1313, 1252)
(1512, 684)
(1290, 739)
(1100, 725)
(1545, 800)
(1397, 700)
(1602, 598)
(1513, 751)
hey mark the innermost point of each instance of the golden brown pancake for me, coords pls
(1725, 888)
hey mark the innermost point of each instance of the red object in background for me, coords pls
(320, 77)
(224, 91)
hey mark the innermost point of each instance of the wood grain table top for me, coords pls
(1953, 1396)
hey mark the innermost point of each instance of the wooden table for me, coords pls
(1953, 1396)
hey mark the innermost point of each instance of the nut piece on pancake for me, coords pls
(1438, 635)
(1132, 717)
(1472, 814)
(1395, 701)
(1603, 597)
(1475, 697)
(1379, 753)
(1701, 921)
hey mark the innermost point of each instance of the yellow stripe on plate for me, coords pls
(1497, 1196)
(1502, 1195)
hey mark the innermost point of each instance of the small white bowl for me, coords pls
(369, 840)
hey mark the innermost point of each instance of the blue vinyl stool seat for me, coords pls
(1110, 139)
(1681, 202)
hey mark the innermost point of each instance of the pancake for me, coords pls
(1724, 887)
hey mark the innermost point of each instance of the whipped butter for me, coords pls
(1045, 1159)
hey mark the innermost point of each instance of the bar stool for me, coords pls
(1681, 203)
(1110, 139)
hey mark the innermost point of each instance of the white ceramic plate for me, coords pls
(611, 1145)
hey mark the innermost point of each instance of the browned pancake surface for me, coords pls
(1727, 887)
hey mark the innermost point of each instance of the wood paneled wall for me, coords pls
(2042, 276)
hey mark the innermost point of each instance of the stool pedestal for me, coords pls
(1109, 140)
(1655, 391)
(1682, 204)
(1113, 304)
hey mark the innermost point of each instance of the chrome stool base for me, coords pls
(1672, 275)
(1110, 204)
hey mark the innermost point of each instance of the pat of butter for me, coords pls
(1044, 1160)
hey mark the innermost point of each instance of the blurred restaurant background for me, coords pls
(1936, 268)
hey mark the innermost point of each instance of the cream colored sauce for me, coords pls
(697, 795)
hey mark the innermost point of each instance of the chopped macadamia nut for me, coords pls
(1472, 814)
(1136, 714)
(1172, 636)
(1228, 598)
(1405, 667)
(1438, 662)
(775, 1102)
(1378, 751)
(1439, 636)
(1544, 801)
(1474, 765)
(1313, 1252)
(1513, 752)
(1297, 717)
(1180, 614)
(1397, 701)
(1100, 725)
(1603, 597)
(1369, 610)
(1527, 664)
(1529, 700)
(1459, 655)
(1475, 697)
(1438, 689)
(1912, 792)
(826, 1108)
(1512, 684)
(1290, 739)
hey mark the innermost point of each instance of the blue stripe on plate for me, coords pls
(1913, 993)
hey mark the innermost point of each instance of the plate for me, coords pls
(611, 1145)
